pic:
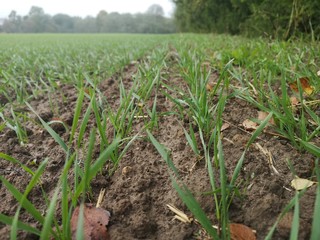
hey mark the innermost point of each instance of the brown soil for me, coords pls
(137, 193)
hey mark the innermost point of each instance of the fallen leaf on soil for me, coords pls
(305, 84)
(224, 126)
(301, 183)
(294, 101)
(249, 125)
(263, 115)
(318, 73)
(284, 226)
(241, 232)
(209, 87)
(95, 222)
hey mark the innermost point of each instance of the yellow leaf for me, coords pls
(305, 84)
(301, 183)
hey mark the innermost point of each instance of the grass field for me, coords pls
(226, 129)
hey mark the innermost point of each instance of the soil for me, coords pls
(138, 191)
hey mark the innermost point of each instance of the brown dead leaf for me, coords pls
(87, 90)
(263, 115)
(224, 126)
(205, 66)
(294, 101)
(249, 125)
(284, 226)
(241, 232)
(95, 222)
(305, 85)
(209, 86)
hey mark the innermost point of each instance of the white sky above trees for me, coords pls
(82, 8)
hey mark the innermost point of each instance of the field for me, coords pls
(225, 129)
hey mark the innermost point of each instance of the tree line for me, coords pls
(37, 21)
(282, 19)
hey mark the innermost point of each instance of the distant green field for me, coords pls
(29, 58)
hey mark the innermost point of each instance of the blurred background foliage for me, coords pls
(281, 19)
(37, 21)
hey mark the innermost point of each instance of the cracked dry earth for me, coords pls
(138, 191)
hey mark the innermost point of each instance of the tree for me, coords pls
(155, 9)
(13, 23)
(63, 22)
(36, 11)
(102, 21)
(280, 19)
(36, 20)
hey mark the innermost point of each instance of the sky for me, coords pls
(82, 8)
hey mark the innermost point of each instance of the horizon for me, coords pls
(84, 8)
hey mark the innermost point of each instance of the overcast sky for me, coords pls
(82, 8)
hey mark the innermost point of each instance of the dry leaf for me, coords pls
(249, 125)
(205, 66)
(181, 216)
(224, 126)
(301, 183)
(318, 73)
(241, 232)
(284, 226)
(209, 87)
(95, 222)
(305, 84)
(263, 115)
(87, 90)
(294, 101)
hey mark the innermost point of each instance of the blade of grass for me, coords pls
(47, 225)
(77, 112)
(315, 230)
(66, 212)
(34, 180)
(26, 204)
(223, 186)
(100, 126)
(287, 208)
(84, 124)
(25, 227)
(257, 132)
(80, 224)
(103, 158)
(295, 222)
(56, 137)
(191, 140)
(195, 208)
(15, 161)
(163, 153)
(315, 150)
